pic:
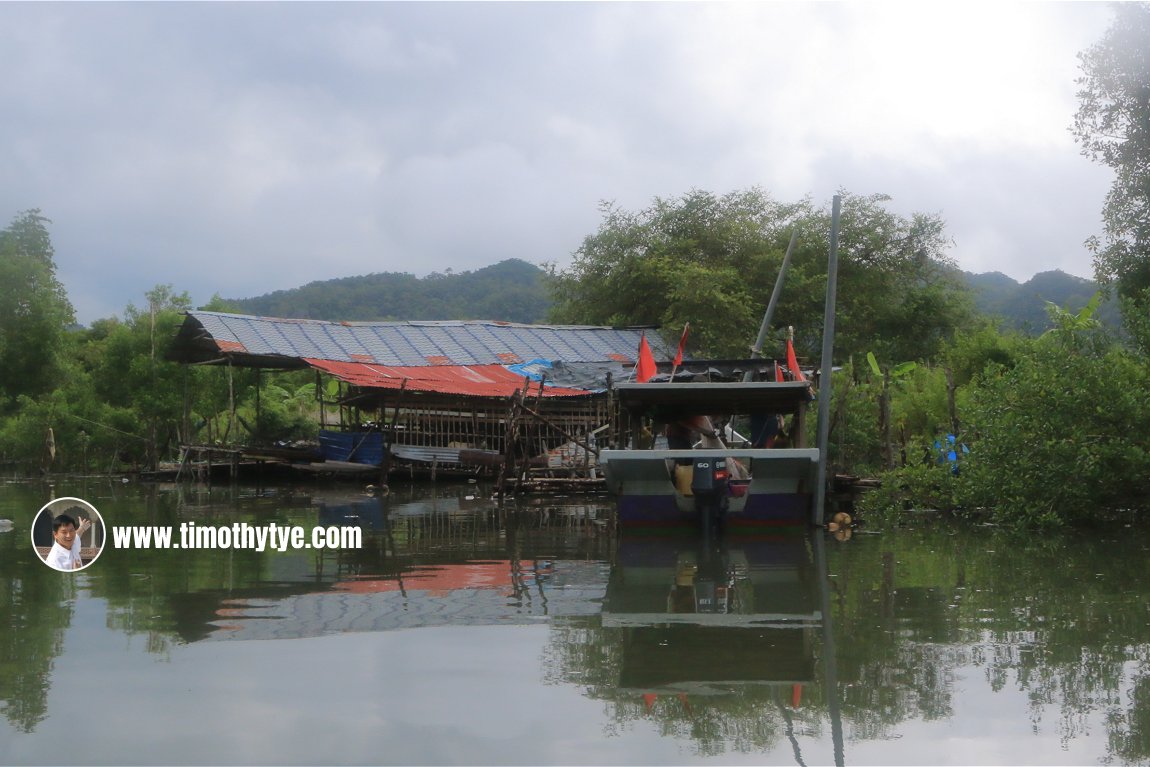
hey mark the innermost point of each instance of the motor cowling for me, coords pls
(710, 477)
(709, 483)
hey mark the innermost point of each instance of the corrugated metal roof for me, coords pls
(461, 380)
(413, 344)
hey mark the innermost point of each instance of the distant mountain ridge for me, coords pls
(510, 291)
(515, 291)
(1022, 306)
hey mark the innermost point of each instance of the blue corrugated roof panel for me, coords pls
(423, 343)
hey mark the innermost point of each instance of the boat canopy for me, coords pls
(672, 400)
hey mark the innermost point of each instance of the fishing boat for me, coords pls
(705, 476)
(720, 479)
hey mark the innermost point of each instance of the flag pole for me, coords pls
(679, 355)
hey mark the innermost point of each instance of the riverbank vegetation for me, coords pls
(951, 412)
(104, 398)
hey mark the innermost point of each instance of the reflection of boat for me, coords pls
(699, 617)
(733, 486)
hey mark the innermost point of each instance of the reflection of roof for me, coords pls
(261, 340)
(442, 579)
(467, 594)
(469, 380)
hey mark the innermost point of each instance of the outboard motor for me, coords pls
(709, 488)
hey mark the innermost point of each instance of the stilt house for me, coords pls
(470, 397)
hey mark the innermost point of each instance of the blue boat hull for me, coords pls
(779, 492)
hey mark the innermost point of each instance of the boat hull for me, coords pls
(779, 492)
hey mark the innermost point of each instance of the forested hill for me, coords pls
(514, 291)
(1022, 306)
(511, 291)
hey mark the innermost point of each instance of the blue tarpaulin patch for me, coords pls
(533, 369)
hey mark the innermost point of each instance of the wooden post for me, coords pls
(509, 436)
(186, 426)
(884, 421)
(184, 453)
(950, 400)
(258, 382)
(612, 420)
(231, 402)
(385, 464)
(319, 396)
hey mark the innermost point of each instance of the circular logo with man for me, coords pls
(68, 534)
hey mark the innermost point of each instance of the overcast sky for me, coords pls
(243, 148)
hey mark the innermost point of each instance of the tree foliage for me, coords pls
(1112, 125)
(117, 402)
(1056, 429)
(712, 261)
(34, 310)
(1060, 436)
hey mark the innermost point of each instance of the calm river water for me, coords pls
(462, 634)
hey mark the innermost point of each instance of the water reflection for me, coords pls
(783, 650)
(703, 619)
(721, 642)
(435, 560)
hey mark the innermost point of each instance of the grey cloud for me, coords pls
(1007, 211)
(244, 148)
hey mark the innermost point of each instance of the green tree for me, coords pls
(974, 348)
(34, 310)
(1112, 126)
(132, 374)
(712, 261)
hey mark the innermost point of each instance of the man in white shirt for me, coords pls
(65, 552)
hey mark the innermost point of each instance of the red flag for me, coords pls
(682, 345)
(779, 373)
(793, 361)
(646, 367)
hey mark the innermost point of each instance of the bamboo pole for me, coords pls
(560, 429)
(764, 328)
